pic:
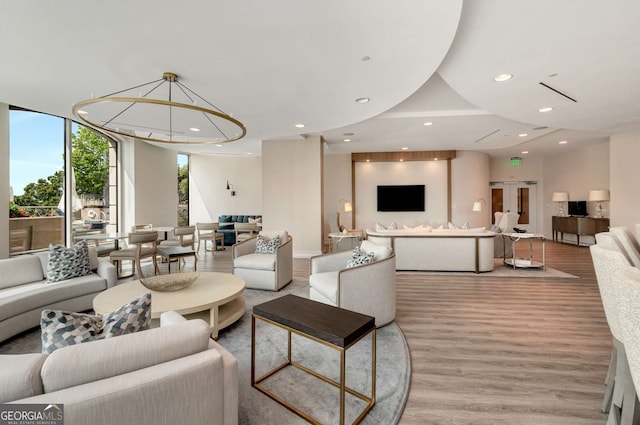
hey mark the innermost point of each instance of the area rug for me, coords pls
(502, 270)
(306, 392)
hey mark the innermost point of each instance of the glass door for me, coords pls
(519, 197)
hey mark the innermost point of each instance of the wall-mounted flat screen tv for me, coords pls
(577, 208)
(401, 198)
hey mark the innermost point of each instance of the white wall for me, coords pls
(208, 194)
(292, 188)
(470, 182)
(368, 175)
(337, 186)
(624, 184)
(4, 180)
(576, 172)
(149, 185)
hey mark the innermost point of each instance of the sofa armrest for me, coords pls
(243, 248)
(330, 262)
(107, 271)
(284, 261)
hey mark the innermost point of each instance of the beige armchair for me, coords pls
(368, 289)
(264, 271)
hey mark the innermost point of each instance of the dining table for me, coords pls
(115, 237)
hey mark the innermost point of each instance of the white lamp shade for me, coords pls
(560, 196)
(348, 207)
(599, 195)
(477, 206)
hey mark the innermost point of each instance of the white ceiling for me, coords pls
(277, 63)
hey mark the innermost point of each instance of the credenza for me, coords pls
(578, 226)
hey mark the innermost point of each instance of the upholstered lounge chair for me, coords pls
(264, 271)
(368, 289)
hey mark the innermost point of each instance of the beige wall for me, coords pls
(337, 186)
(625, 185)
(292, 191)
(208, 196)
(469, 182)
(4, 180)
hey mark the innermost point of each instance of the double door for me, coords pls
(519, 197)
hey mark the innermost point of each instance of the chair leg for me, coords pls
(610, 381)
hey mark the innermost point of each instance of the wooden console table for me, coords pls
(578, 226)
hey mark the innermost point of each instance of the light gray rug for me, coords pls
(304, 391)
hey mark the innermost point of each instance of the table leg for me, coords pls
(343, 359)
(253, 350)
(213, 322)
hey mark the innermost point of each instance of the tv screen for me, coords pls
(401, 198)
(578, 208)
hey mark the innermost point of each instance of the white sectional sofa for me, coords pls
(439, 250)
(24, 291)
(174, 374)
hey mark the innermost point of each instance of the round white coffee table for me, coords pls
(219, 294)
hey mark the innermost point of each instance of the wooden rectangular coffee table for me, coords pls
(332, 326)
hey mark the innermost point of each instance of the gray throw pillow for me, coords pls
(267, 246)
(63, 328)
(365, 258)
(66, 263)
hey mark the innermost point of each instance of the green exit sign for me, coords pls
(516, 160)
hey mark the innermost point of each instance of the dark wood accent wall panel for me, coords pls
(402, 156)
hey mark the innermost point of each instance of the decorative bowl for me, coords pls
(169, 282)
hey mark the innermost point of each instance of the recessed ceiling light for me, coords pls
(522, 135)
(428, 123)
(545, 109)
(194, 129)
(219, 145)
(347, 140)
(404, 148)
(249, 153)
(300, 125)
(503, 77)
(563, 142)
(368, 160)
(363, 100)
(435, 159)
(401, 160)
(82, 112)
(525, 152)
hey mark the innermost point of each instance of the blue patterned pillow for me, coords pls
(65, 263)
(266, 246)
(365, 258)
(63, 328)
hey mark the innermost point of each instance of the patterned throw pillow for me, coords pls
(63, 328)
(267, 246)
(365, 258)
(66, 263)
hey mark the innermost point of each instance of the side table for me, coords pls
(344, 241)
(529, 262)
(332, 326)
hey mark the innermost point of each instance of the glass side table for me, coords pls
(529, 262)
(344, 241)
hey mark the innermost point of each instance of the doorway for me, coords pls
(519, 197)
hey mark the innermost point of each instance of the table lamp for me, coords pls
(560, 198)
(598, 196)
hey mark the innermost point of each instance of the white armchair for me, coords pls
(368, 289)
(264, 271)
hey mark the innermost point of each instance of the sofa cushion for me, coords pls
(326, 283)
(267, 246)
(61, 328)
(256, 262)
(20, 270)
(38, 295)
(380, 252)
(104, 358)
(65, 263)
(20, 376)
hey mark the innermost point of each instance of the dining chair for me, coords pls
(245, 231)
(208, 232)
(142, 245)
(186, 237)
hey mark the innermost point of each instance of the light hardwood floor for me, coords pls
(488, 350)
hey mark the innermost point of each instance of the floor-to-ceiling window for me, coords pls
(183, 190)
(41, 205)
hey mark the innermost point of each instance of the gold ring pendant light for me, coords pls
(161, 121)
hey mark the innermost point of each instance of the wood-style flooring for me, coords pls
(492, 351)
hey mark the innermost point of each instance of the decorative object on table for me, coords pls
(169, 282)
(598, 196)
(560, 198)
